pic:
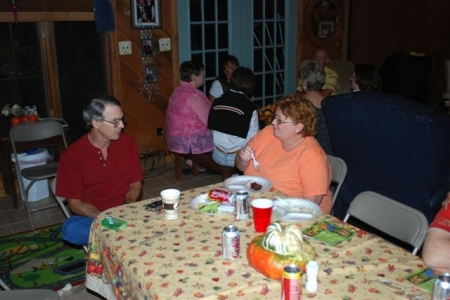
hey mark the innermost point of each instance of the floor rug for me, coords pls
(40, 259)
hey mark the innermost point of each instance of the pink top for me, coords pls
(84, 174)
(187, 121)
(301, 172)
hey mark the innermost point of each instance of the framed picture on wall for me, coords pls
(145, 14)
(147, 47)
(326, 29)
(150, 73)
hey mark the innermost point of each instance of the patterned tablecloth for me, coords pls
(187, 262)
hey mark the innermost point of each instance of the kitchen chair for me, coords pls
(391, 217)
(41, 134)
(338, 172)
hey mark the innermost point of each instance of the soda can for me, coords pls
(441, 289)
(230, 242)
(241, 205)
(291, 283)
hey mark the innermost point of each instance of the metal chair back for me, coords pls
(391, 217)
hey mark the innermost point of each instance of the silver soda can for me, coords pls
(241, 205)
(441, 289)
(230, 242)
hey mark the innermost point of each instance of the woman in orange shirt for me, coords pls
(289, 155)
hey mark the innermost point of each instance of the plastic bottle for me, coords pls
(312, 272)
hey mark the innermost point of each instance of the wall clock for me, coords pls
(324, 22)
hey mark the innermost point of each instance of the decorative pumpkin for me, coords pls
(279, 246)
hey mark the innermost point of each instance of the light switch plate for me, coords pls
(125, 48)
(164, 44)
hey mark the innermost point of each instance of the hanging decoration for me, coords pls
(14, 10)
(150, 80)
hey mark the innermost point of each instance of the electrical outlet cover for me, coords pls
(164, 44)
(125, 48)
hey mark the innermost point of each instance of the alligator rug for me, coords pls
(40, 259)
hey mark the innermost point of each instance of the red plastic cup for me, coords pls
(262, 213)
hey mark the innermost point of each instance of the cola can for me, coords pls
(291, 283)
(441, 289)
(241, 205)
(230, 242)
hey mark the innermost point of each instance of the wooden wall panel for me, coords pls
(380, 28)
(49, 5)
(306, 50)
(145, 116)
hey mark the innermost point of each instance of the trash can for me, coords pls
(39, 190)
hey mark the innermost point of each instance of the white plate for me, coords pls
(295, 210)
(239, 183)
(202, 200)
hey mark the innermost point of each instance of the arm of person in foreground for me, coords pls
(81, 208)
(315, 198)
(243, 157)
(436, 254)
(133, 192)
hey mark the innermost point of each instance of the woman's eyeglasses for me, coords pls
(279, 121)
(116, 122)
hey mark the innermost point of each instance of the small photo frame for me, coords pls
(145, 14)
(147, 47)
(150, 73)
(326, 29)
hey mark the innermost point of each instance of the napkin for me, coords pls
(329, 233)
(423, 278)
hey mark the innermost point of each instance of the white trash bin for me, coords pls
(39, 190)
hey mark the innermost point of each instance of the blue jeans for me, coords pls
(223, 159)
(76, 230)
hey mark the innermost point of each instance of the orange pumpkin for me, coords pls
(279, 246)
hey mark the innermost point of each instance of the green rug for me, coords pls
(40, 259)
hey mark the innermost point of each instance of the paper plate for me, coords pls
(239, 183)
(202, 200)
(295, 210)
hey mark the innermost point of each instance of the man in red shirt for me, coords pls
(98, 171)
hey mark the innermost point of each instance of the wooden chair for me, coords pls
(205, 160)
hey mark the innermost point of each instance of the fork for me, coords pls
(255, 163)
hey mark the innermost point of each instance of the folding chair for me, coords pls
(391, 217)
(64, 205)
(37, 294)
(42, 134)
(338, 173)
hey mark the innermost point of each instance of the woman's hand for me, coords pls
(243, 157)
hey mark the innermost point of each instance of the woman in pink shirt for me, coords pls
(187, 113)
(289, 155)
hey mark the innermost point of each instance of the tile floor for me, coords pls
(16, 220)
